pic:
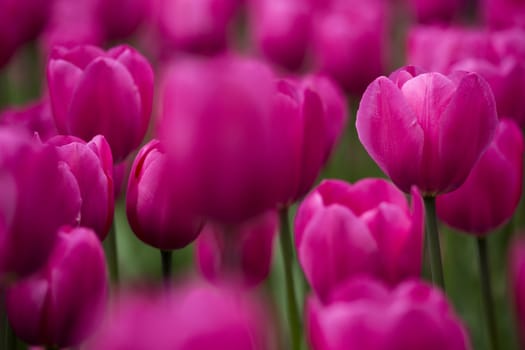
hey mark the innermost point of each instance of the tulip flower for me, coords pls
(365, 315)
(92, 165)
(35, 118)
(69, 293)
(39, 195)
(251, 243)
(205, 317)
(282, 30)
(361, 26)
(414, 129)
(344, 230)
(517, 278)
(95, 92)
(427, 11)
(491, 193)
(156, 214)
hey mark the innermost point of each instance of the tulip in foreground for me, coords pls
(345, 230)
(491, 193)
(62, 303)
(108, 93)
(428, 130)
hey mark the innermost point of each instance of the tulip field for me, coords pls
(262, 174)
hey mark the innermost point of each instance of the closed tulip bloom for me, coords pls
(365, 315)
(491, 193)
(69, 293)
(230, 154)
(242, 253)
(282, 30)
(413, 130)
(344, 230)
(517, 283)
(204, 317)
(35, 118)
(41, 194)
(361, 26)
(108, 93)
(429, 11)
(92, 165)
(156, 214)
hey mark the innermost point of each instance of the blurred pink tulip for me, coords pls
(344, 230)
(92, 165)
(491, 193)
(435, 11)
(63, 302)
(95, 92)
(365, 315)
(35, 118)
(156, 214)
(39, 194)
(242, 253)
(415, 128)
(503, 13)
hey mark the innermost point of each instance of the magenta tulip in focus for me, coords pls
(35, 118)
(39, 194)
(435, 11)
(491, 193)
(344, 230)
(428, 130)
(63, 302)
(156, 214)
(503, 13)
(92, 165)
(363, 314)
(242, 253)
(350, 42)
(230, 155)
(517, 283)
(95, 92)
(282, 30)
(196, 316)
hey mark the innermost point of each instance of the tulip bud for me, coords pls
(63, 302)
(365, 315)
(344, 230)
(413, 130)
(517, 279)
(491, 193)
(109, 93)
(156, 214)
(40, 195)
(251, 243)
(35, 118)
(205, 317)
(92, 165)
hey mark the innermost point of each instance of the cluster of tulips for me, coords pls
(213, 130)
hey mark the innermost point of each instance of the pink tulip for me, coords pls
(517, 280)
(343, 230)
(229, 152)
(92, 165)
(196, 316)
(63, 302)
(415, 128)
(365, 315)
(491, 193)
(39, 194)
(427, 11)
(157, 215)
(349, 42)
(35, 118)
(95, 92)
(503, 13)
(282, 30)
(241, 253)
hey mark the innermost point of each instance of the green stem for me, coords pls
(166, 257)
(432, 238)
(486, 290)
(294, 319)
(110, 246)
